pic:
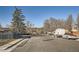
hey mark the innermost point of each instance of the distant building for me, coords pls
(74, 27)
(4, 30)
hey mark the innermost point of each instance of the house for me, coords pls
(74, 27)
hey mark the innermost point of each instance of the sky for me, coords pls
(38, 14)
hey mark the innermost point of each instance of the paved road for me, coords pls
(41, 44)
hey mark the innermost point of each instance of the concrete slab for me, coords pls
(12, 45)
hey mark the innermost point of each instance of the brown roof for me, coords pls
(4, 29)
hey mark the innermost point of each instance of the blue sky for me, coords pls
(37, 14)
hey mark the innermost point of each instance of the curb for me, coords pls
(12, 45)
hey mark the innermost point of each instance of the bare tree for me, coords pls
(46, 26)
(29, 26)
(51, 24)
(69, 22)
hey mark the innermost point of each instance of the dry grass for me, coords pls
(5, 41)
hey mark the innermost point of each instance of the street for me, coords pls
(43, 44)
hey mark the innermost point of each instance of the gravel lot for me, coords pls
(42, 44)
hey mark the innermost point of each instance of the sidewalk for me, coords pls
(12, 45)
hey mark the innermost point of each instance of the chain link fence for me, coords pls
(8, 35)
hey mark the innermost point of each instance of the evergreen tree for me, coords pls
(0, 26)
(78, 21)
(18, 24)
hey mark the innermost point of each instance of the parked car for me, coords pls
(69, 37)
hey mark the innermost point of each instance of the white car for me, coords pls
(69, 37)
